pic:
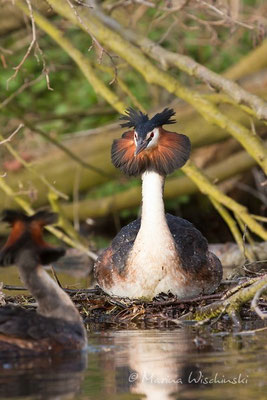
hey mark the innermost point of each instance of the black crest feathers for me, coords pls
(164, 117)
(133, 118)
(142, 124)
(27, 234)
(43, 217)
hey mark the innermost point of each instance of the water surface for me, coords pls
(183, 363)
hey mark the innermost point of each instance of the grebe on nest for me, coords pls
(157, 253)
(56, 326)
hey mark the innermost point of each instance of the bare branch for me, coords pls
(45, 69)
(33, 41)
(224, 15)
(20, 90)
(12, 134)
(100, 49)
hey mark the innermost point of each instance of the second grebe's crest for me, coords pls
(27, 234)
(148, 146)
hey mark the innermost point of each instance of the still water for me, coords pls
(184, 363)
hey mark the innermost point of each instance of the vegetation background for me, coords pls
(70, 67)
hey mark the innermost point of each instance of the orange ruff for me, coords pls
(171, 152)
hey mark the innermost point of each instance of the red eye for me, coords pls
(152, 135)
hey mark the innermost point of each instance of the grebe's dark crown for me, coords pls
(142, 124)
(43, 216)
(27, 234)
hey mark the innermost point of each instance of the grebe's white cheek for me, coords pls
(135, 138)
(154, 141)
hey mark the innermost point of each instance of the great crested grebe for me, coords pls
(56, 326)
(157, 253)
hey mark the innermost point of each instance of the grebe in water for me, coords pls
(56, 326)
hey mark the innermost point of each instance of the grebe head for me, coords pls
(26, 237)
(148, 146)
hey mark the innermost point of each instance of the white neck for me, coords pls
(52, 301)
(153, 213)
(153, 255)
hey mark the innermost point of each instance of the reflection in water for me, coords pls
(158, 365)
(164, 365)
(151, 364)
(155, 364)
(43, 377)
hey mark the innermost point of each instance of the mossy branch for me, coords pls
(255, 61)
(208, 188)
(230, 305)
(233, 228)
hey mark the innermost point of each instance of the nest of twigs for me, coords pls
(231, 304)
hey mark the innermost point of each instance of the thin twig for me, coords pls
(231, 224)
(101, 49)
(20, 90)
(76, 185)
(10, 137)
(55, 276)
(45, 69)
(33, 41)
(225, 16)
(65, 149)
(27, 165)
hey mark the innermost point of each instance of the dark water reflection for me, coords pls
(159, 365)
